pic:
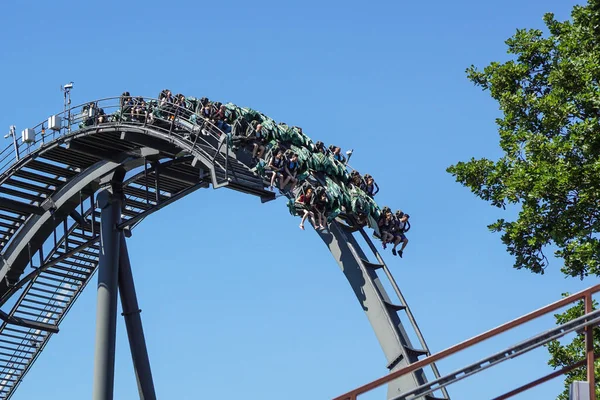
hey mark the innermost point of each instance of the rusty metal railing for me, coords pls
(585, 295)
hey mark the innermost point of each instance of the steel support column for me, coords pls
(133, 323)
(106, 310)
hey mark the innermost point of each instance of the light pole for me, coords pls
(12, 132)
(66, 89)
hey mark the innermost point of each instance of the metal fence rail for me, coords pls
(587, 321)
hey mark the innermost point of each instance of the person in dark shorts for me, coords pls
(290, 170)
(259, 141)
(402, 226)
(320, 208)
(386, 225)
(275, 167)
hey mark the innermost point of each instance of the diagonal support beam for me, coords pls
(133, 323)
(77, 217)
(27, 323)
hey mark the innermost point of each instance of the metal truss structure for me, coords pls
(69, 199)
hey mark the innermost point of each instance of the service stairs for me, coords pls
(382, 312)
(37, 296)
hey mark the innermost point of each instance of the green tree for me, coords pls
(564, 355)
(549, 95)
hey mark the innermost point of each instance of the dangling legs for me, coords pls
(404, 243)
(306, 214)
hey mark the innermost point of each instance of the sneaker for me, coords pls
(394, 251)
(400, 253)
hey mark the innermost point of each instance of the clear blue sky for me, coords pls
(237, 301)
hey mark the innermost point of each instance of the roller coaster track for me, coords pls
(50, 225)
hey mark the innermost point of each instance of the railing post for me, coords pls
(589, 348)
(175, 114)
(226, 157)
(157, 181)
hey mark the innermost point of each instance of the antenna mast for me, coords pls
(66, 89)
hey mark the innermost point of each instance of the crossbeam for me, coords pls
(19, 207)
(27, 323)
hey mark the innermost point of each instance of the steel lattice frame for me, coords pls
(49, 225)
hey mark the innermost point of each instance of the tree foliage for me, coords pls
(564, 355)
(549, 96)
(550, 135)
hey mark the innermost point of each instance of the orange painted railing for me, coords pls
(585, 295)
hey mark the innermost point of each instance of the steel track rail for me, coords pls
(63, 223)
(48, 291)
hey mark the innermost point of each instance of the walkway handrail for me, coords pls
(585, 295)
(7, 155)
